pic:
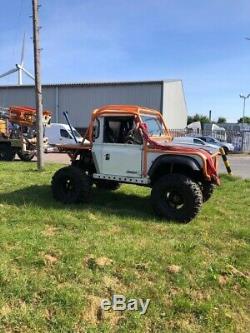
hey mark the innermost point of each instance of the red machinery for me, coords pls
(18, 132)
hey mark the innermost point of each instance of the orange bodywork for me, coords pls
(134, 110)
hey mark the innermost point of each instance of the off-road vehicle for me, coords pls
(131, 144)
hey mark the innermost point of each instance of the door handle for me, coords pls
(107, 157)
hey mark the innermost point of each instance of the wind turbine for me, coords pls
(19, 68)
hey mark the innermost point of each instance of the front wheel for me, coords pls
(71, 185)
(176, 197)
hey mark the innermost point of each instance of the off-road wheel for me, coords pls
(26, 156)
(71, 185)
(7, 153)
(207, 189)
(109, 185)
(176, 197)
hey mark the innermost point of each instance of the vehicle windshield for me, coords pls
(217, 141)
(212, 139)
(154, 125)
(77, 134)
(199, 142)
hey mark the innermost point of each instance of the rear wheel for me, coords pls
(26, 156)
(176, 197)
(109, 185)
(207, 189)
(7, 153)
(71, 185)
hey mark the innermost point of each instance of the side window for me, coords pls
(118, 130)
(210, 140)
(96, 129)
(111, 130)
(65, 134)
(198, 141)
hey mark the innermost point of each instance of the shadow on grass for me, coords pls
(18, 160)
(107, 202)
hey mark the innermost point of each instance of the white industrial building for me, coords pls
(80, 99)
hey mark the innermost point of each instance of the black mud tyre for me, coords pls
(70, 185)
(26, 156)
(109, 185)
(207, 189)
(7, 153)
(176, 197)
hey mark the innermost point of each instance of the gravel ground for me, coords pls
(240, 164)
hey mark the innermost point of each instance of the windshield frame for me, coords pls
(165, 132)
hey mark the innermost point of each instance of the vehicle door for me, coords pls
(112, 153)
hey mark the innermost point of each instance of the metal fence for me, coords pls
(239, 139)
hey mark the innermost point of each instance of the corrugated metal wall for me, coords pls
(80, 99)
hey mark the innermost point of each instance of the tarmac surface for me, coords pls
(240, 163)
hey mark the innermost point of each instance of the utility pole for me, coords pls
(243, 119)
(244, 107)
(38, 86)
(243, 114)
(210, 115)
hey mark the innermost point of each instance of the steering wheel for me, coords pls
(133, 137)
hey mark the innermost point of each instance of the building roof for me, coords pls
(81, 84)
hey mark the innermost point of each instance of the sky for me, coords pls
(200, 42)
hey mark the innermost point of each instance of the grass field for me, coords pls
(57, 262)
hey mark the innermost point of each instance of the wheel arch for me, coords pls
(166, 164)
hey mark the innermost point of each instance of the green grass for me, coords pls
(49, 284)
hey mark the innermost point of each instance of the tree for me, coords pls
(189, 120)
(246, 120)
(198, 117)
(221, 120)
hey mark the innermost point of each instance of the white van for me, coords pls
(60, 134)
